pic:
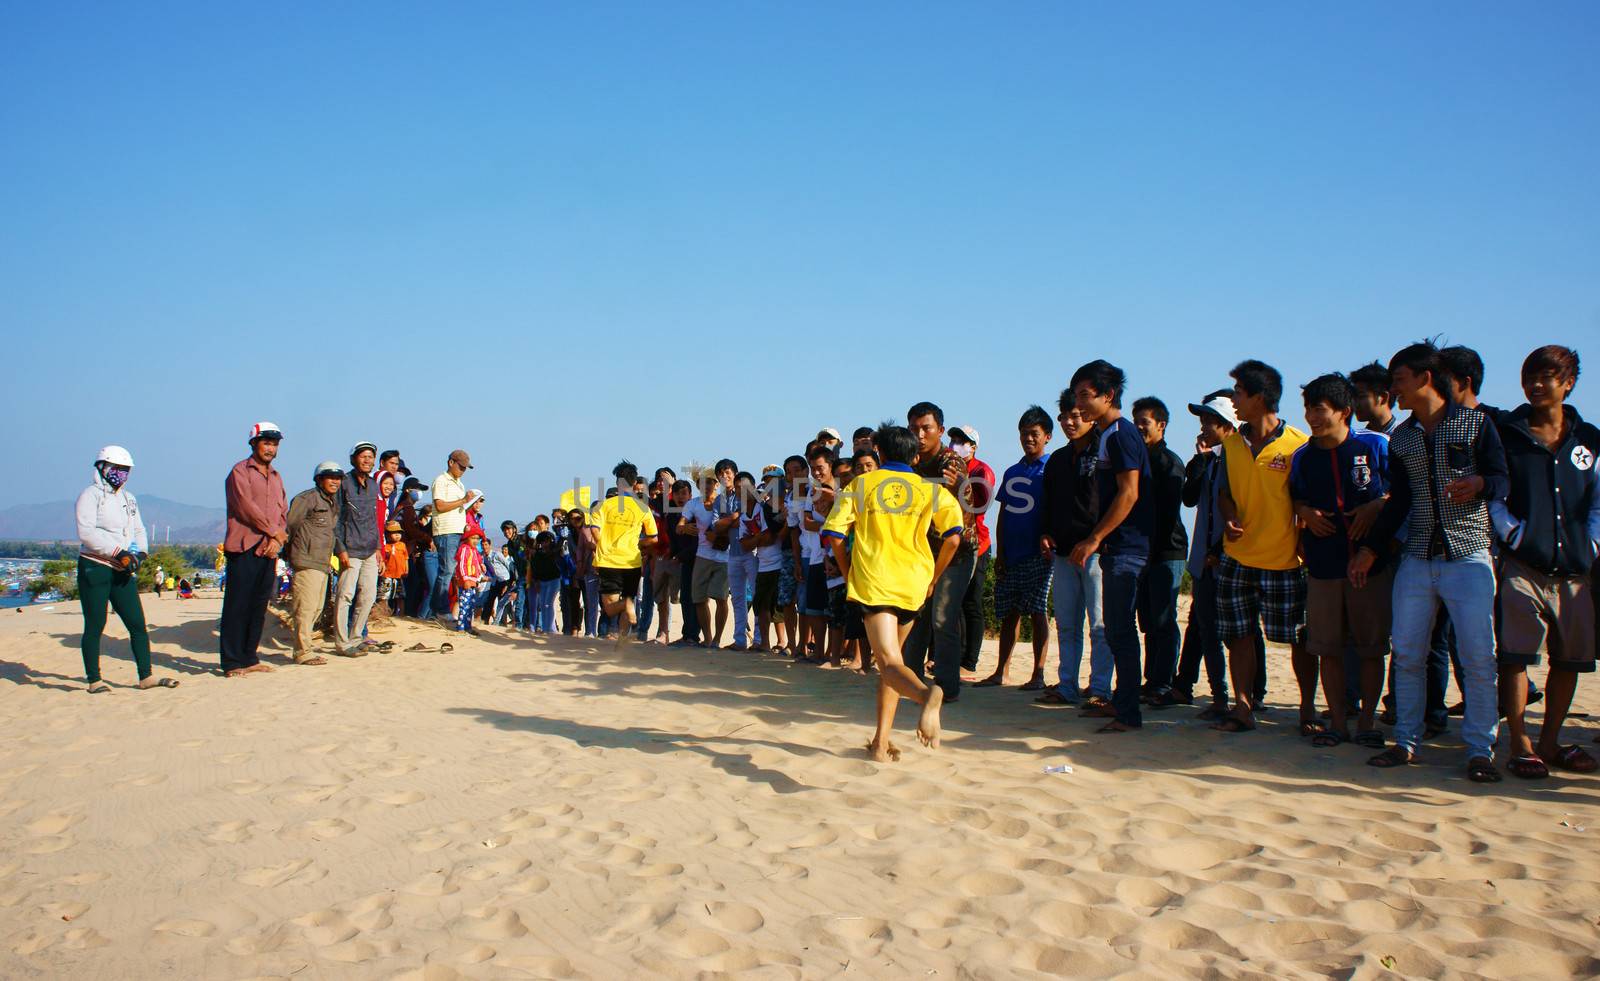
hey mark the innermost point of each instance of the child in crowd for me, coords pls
(1022, 568)
(814, 589)
(396, 566)
(470, 573)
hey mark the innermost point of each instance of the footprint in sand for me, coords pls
(402, 798)
(297, 873)
(494, 868)
(53, 824)
(245, 787)
(322, 829)
(530, 885)
(47, 844)
(191, 743)
(431, 885)
(326, 927)
(231, 759)
(65, 912)
(230, 832)
(83, 878)
(489, 923)
(13, 805)
(141, 780)
(427, 841)
(194, 929)
(736, 917)
(990, 883)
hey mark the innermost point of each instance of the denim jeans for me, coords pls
(972, 625)
(543, 600)
(1077, 594)
(591, 605)
(1466, 587)
(938, 625)
(430, 575)
(1119, 596)
(444, 547)
(1158, 615)
(645, 606)
(1201, 643)
(741, 576)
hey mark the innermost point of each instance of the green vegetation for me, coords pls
(59, 574)
(174, 561)
(190, 556)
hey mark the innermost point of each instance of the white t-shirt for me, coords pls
(704, 517)
(769, 558)
(810, 541)
(452, 522)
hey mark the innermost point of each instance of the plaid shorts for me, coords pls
(786, 583)
(1277, 596)
(1024, 587)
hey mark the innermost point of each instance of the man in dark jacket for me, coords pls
(1169, 547)
(1549, 526)
(312, 515)
(356, 540)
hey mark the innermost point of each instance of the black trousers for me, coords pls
(691, 616)
(972, 615)
(251, 581)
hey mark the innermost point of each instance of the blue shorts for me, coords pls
(814, 592)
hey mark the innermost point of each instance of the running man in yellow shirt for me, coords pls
(890, 572)
(621, 523)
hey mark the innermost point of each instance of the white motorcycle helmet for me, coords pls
(114, 455)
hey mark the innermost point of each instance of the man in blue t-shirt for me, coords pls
(1334, 480)
(1022, 569)
(1122, 536)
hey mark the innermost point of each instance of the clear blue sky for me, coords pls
(560, 234)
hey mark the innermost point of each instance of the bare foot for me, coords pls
(993, 681)
(889, 753)
(624, 637)
(928, 725)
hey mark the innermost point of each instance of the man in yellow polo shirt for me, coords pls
(890, 572)
(620, 523)
(1260, 574)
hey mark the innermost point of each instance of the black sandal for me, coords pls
(1232, 723)
(1392, 757)
(1053, 697)
(1480, 769)
(1329, 738)
(1370, 738)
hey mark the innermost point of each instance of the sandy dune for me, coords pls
(555, 809)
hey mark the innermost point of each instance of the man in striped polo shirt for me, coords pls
(1446, 465)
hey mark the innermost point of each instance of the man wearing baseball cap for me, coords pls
(357, 540)
(258, 519)
(312, 516)
(449, 521)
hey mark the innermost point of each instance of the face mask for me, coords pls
(114, 475)
(963, 450)
(412, 493)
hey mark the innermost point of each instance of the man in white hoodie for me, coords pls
(112, 544)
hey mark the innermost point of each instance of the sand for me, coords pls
(555, 808)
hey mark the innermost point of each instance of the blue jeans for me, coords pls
(741, 576)
(1119, 595)
(530, 597)
(1466, 587)
(591, 606)
(1201, 643)
(1077, 594)
(430, 575)
(1158, 615)
(544, 606)
(645, 606)
(444, 547)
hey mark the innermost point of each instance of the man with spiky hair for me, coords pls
(622, 523)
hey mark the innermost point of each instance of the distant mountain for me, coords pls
(189, 523)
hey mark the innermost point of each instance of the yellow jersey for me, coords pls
(1259, 485)
(619, 524)
(892, 509)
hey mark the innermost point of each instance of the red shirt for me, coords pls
(257, 507)
(980, 489)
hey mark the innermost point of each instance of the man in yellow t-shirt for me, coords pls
(889, 572)
(1260, 575)
(621, 522)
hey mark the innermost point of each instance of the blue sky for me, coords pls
(560, 234)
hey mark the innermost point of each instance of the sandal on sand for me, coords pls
(386, 646)
(1576, 759)
(1214, 713)
(311, 660)
(1370, 738)
(162, 683)
(99, 687)
(1032, 685)
(1480, 769)
(1390, 758)
(1053, 697)
(1099, 712)
(418, 649)
(1309, 728)
(1232, 723)
(1169, 698)
(1329, 738)
(352, 652)
(1527, 767)
(1096, 702)
(990, 682)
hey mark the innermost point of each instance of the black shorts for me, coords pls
(619, 582)
(902, 617)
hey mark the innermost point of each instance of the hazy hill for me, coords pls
(190, 523)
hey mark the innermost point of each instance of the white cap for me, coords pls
(965, 432)
(831, 433)
(115, 455)
(265, 430)
(1220, 406)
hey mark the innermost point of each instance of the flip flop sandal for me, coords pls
(166, 683)
(1390, 758)
(1481, 770)
(1527, 767)
(1031, 686)
(311, 661)
(1329, 738)
(386, 646)
(1096, 701)
(988, 683)
(446, 647)
(418, 649)
(1053, 697)
(1309, 728)
(357, 652)
(1167, 699)
(1231, 724)
(1576, 759)
(1102, 712)
(98, 688)
(1371, 739)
